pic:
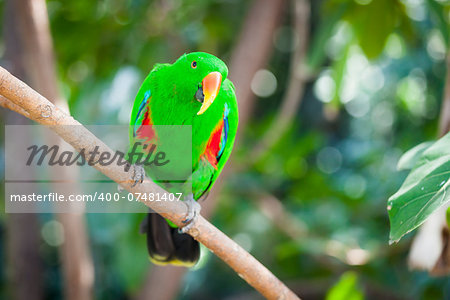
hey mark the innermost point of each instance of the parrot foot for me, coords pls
(193, 209)
(120, 189)
(138, 174)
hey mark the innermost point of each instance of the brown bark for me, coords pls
(11, 106)
(46, 113)
(25, 265)
(31, 21)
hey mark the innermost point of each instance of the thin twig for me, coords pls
(45, 113)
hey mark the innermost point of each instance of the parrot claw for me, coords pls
(120, 188)
(193, 209)
(138, 174)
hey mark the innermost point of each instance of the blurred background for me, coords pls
(330, 93)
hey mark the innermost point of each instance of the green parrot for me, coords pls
(192, 91)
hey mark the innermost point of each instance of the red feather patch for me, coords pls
(213, 145)
(146, 131)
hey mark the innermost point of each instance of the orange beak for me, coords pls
(211, 85)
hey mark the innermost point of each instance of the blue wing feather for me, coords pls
(141, 109)
(226, 128)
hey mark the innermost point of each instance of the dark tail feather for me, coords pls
(166, 246)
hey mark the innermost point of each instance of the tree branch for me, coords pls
(46, 113)
(6, 103)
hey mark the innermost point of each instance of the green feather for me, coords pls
(172, 102)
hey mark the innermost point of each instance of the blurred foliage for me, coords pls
(346, 288)
(377, 71)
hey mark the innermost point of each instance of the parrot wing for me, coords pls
(141, 119)
(219, 146)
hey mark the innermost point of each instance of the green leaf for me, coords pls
(411, 157)
(346, 288)
(425, 190)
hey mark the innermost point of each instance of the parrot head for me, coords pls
(203, 75)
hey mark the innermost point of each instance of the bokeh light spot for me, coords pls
(355, 186)
(53, 233)
(264, 83)
(244, 240)
(325, 87)
(329, 160)
(358, 107)
(411, 91)
(436, 45)
(415, 9)
(383, 117)
(357, 257)
(394, 46)
(372, 78)
(78, 71)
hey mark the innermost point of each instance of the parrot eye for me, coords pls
(194, 64)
